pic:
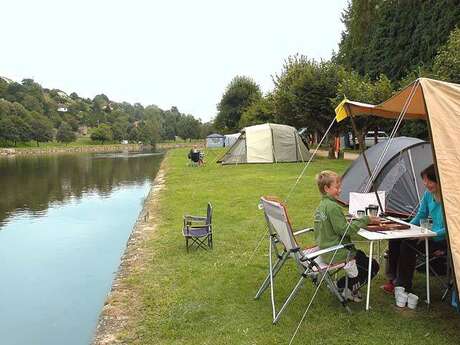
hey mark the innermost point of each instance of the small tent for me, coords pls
(438, 103)
(267, 143)
(397, 173)
(215, 140)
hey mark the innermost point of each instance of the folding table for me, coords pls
(413, 232)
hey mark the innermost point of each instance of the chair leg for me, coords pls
(276, 268)
(289, 299)
(186, 243)
(333, 288)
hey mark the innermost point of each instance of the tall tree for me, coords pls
(303, 93)
(447, 63)
(102, 133)
(42, 129)
(260, 111)
(238, 96)
(65, 134)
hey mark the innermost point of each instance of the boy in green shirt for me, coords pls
(331, 228)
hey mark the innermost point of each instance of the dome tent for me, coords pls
(398, 174)
(267, 143)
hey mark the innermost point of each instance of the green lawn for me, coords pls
(207, 297)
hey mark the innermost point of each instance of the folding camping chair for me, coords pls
(197, 230)
(307, 260)
(439, 265)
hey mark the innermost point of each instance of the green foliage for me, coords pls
(42, 129)
(65, 134)
(303, 93)
(447, 63)
(238, 96)
(30, 102)
(102, 133)
(188, 127)
(395, 37)
(260, 111)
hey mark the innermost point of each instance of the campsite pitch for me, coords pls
(206, 297)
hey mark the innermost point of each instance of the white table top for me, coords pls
(414, 232)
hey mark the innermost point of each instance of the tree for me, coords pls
(8, 131)
(395, 37)
(188, 127)
(65, 134)
(447, 63)
(303, 93)
(134, 135)
(102, 133)
(149, 132)
(260, 111)
(42, 129)
(362, 89)
(238, 96)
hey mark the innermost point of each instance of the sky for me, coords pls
(168, 53)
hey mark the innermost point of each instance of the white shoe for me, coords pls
(354, 296)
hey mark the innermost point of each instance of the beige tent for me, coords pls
(267, 143)
(439, 104)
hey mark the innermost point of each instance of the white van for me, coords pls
(369, 139)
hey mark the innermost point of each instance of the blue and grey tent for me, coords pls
(398, 174)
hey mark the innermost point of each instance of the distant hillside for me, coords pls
(29, 111)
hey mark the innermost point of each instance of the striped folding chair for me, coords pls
(307, 260)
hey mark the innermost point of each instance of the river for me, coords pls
(64, 224)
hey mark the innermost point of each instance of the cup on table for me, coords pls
(412, 301)
(425, 224)
(401, 299)
(372, 210)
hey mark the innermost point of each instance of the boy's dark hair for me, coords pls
(430, 173)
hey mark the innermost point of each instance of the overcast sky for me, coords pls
(170, 52)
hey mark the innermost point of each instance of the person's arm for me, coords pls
(340, 224)
(423, 211)
(440, 232)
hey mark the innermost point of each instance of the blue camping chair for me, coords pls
(197, 230)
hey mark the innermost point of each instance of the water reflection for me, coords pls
(31, 184)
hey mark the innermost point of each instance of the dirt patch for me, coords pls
(123, 302)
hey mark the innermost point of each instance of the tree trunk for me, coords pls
(38, 144)
(331, 153)
(362, 145)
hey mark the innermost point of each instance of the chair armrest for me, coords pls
(303, 231)
(327, 250)
(194, 218)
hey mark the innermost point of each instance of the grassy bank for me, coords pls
(207, 297)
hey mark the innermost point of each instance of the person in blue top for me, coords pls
(402, 253)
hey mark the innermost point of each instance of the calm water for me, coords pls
(64, 223)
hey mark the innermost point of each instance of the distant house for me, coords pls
(215, 140)
(62, 109)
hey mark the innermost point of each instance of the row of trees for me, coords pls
(306, 91)
(30, 112)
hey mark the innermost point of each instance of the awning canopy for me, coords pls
(437, 102)
(421, 89)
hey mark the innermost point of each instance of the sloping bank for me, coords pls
(122, 303)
